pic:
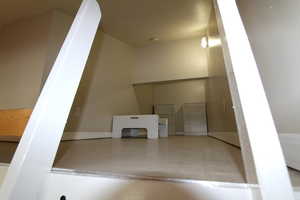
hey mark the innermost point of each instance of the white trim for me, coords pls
(67, 136)
(290, 143)
(239, 116)
(179, 133)
(93, 187)
(85, 135)
(169, 80)
(195, 134)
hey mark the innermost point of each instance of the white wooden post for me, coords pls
(37, 149)
(271, 170)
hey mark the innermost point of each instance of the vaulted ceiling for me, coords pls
(131, 21)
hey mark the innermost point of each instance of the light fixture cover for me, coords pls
(204, 42)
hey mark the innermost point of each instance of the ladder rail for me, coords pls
(251, 106)
(36, 151)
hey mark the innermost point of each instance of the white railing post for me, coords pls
(37, 149)
(243, 75)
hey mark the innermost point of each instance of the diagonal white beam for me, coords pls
(263, 138)
(37, 149)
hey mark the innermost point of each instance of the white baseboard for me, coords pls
(290, 143)
(85, 135)
(179, 133)
(67, 136)
(195, 134)
(229, 137)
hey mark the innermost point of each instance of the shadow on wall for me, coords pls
(80, 100)
(105, 89)
(179, 127)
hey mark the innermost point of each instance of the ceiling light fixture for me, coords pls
(215, 41)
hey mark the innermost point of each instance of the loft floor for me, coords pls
(185, 157)
(178, 157)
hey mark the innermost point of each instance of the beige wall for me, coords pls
(27, 52)
(273, 30)
(22, 58)
(179, 92)
(220, 115)
(59, 26)
(174, 92)
(105, 89)
(182, 59)
(144, 94)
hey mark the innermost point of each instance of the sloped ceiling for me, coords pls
(131, 21)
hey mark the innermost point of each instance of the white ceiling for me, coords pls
(131, 21)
